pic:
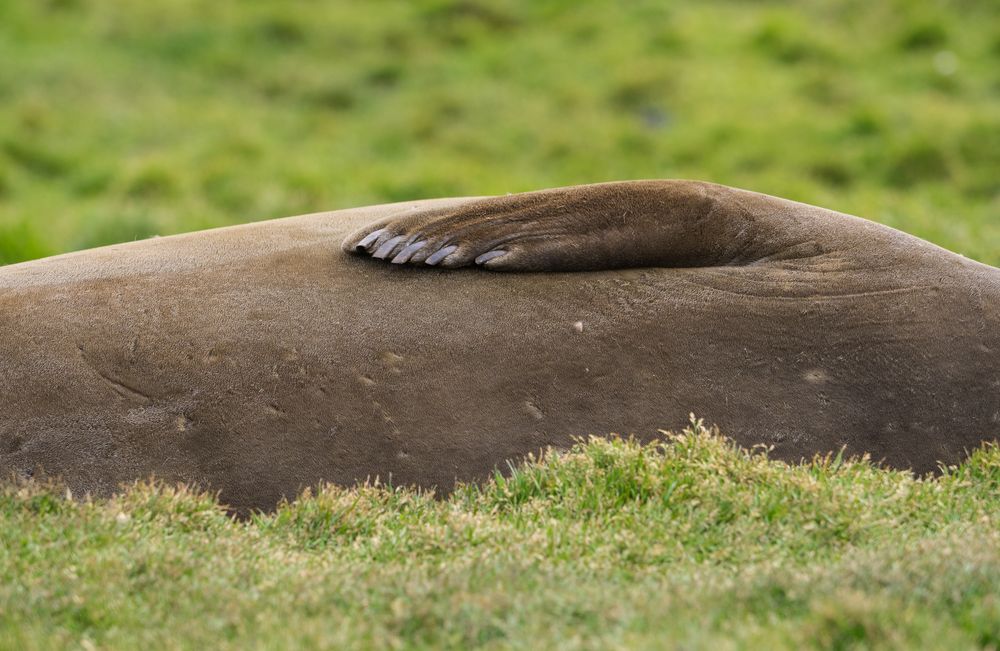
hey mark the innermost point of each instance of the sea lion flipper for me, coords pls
(603, 226)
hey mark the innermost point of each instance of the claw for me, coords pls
(407, 252)
(441, 255)
(387, 247)
(368, 239)
(489, 255)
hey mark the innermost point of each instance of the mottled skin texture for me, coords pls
(259, 359)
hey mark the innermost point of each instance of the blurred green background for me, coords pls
(122, 119)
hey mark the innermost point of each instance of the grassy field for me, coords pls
(122, 120)
(612, 545)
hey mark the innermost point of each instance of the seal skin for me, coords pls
(260, 359)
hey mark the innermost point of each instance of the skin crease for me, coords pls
(260, 359)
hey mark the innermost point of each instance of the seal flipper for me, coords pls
(602, 226)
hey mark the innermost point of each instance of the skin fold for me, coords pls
(257, 360)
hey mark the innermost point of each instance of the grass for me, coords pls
(122, 120)
(692, 543)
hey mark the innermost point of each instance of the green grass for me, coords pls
(691, 544)
(125, 119)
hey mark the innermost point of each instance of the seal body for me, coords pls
(260, 359)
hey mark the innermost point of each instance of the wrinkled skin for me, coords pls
(260, 359)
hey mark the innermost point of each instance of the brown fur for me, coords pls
(260, 359)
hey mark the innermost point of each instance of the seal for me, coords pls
(259, 359)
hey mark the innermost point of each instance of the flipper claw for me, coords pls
(440, 255)
(387, 247)
(490, 255)
(368, 239)
(408, 251)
